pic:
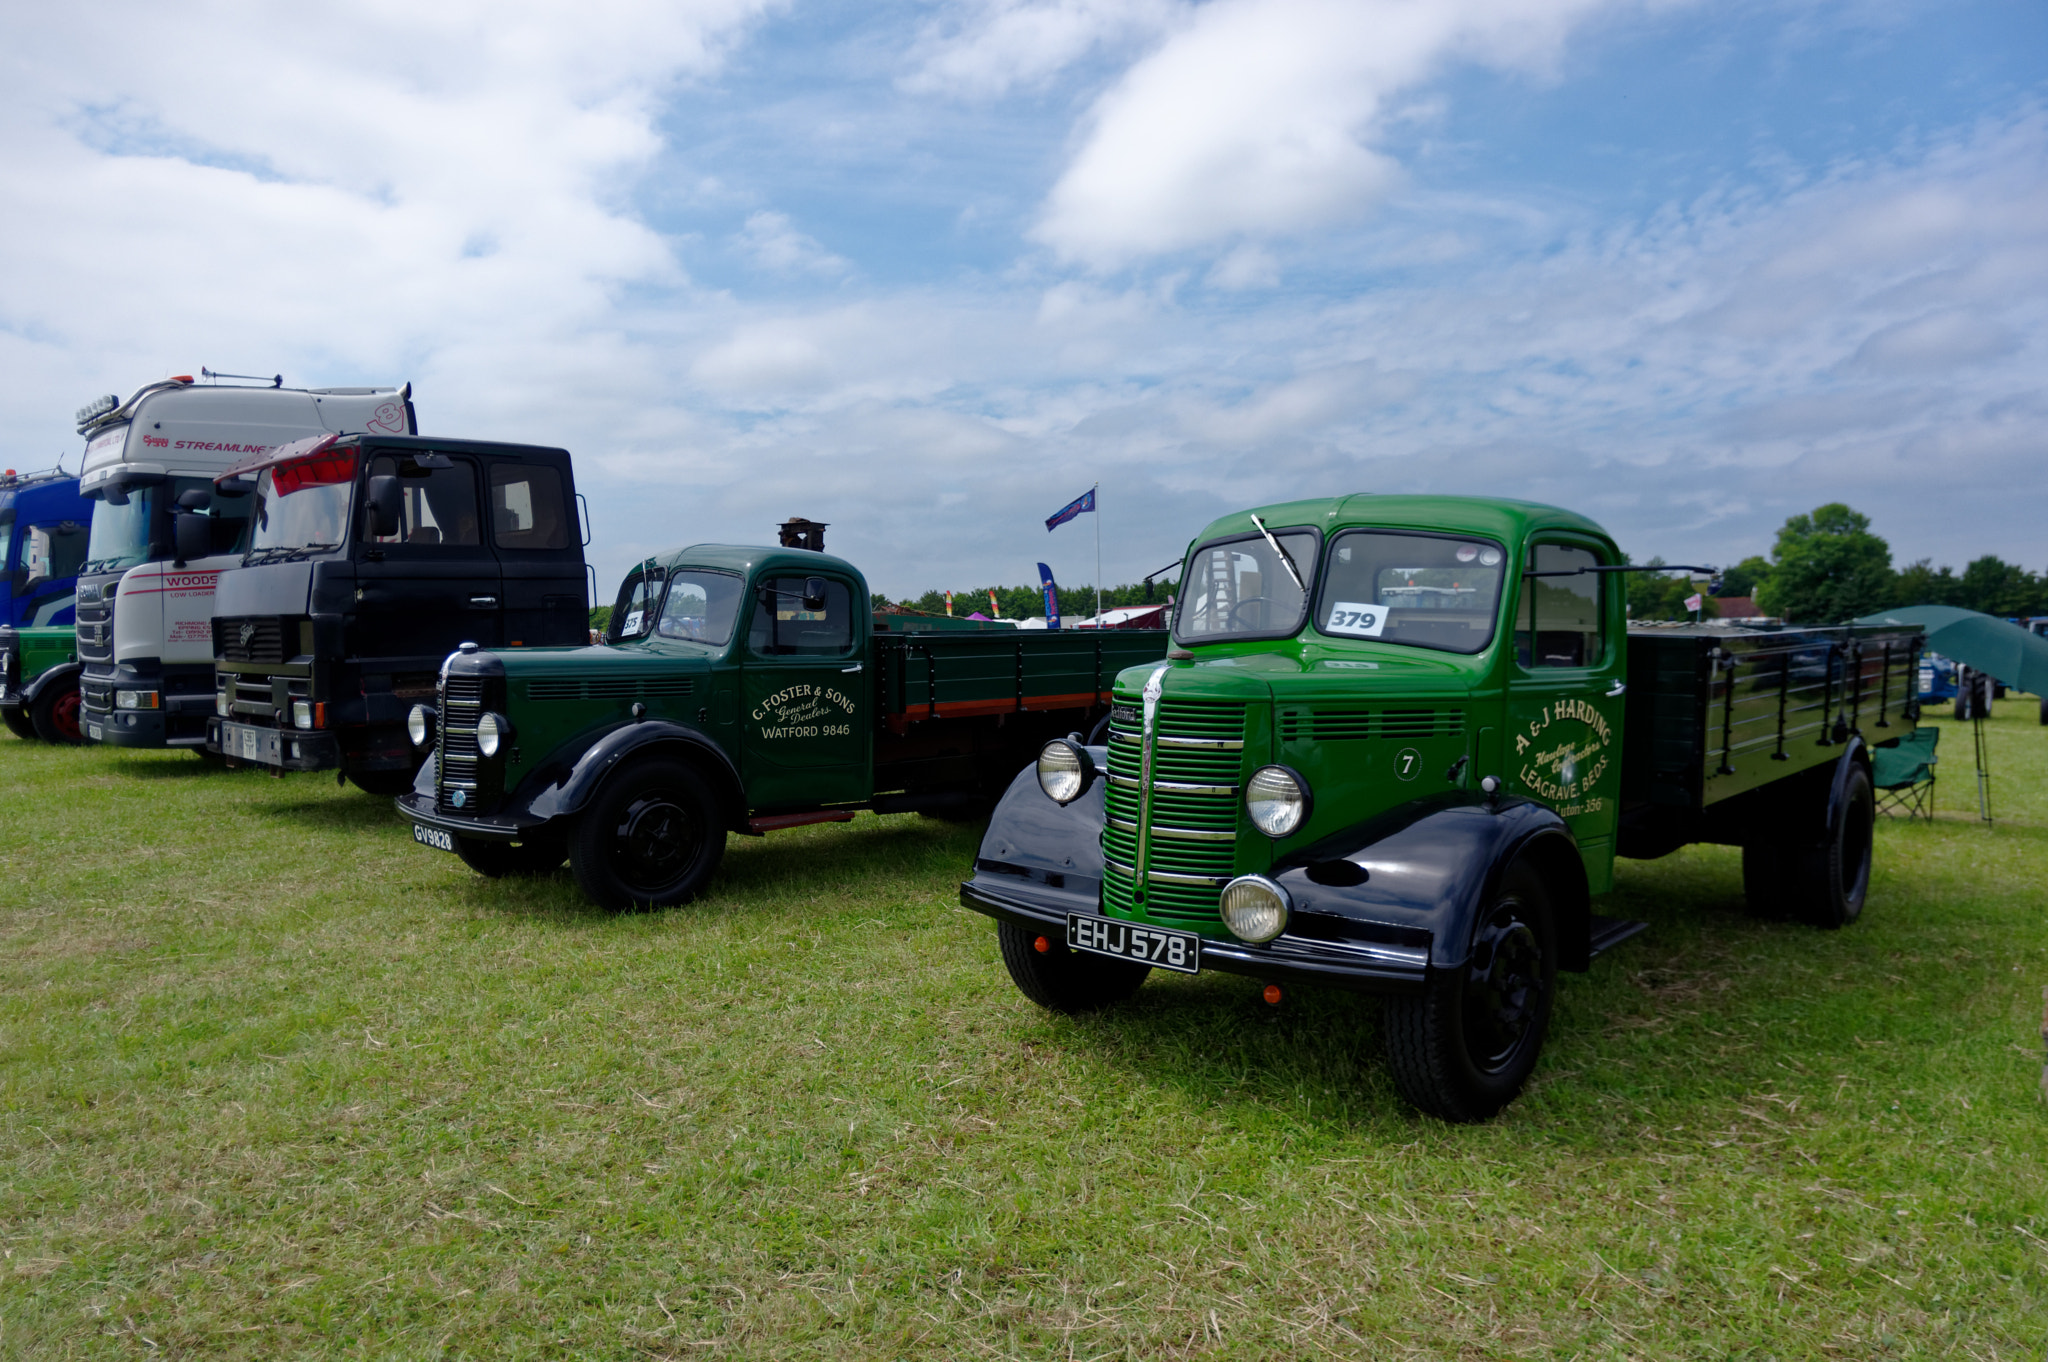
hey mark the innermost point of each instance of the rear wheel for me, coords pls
(651, 838)
(1831, 880)
(1462, 1048)
(1062, 979)
(538, 856)
(55, 714)
(21, 726)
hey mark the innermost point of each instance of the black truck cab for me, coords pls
(371, 558)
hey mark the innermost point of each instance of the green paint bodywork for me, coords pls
(39, 648)
(1283, 683)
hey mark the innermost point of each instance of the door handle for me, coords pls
(484, 602)
(854, 668)
(1617, 689)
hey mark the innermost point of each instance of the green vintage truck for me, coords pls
(39, 681)
(1397, 748)
(738, 689)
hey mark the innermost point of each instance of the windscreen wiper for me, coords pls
(1286, 558)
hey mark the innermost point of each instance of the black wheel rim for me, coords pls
(1504, 990)
(657, 842)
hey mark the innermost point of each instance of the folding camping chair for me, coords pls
(1904, 774)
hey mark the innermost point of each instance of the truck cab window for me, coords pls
(633, 613)
(1240, 588)
(437, 505)
(53, 551)
(1425, 590)
(783, 627)
(701, 606)
(527, 510)
(1558, 623)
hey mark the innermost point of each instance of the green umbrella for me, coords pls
(2011, 654)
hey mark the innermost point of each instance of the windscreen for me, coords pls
(304, 504)
(701, 606)
(1429, 591)
(1240, 588)
(120, 534)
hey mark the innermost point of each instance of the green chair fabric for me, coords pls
(1904, 773)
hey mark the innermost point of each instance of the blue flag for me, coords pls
(1078, 506)
(1052, 596)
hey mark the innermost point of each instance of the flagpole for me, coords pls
(1097, 489)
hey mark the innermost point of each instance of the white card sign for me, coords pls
(1356, 618)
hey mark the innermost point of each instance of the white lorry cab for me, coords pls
(160, 537)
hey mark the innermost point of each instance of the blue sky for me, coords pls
(926, 271)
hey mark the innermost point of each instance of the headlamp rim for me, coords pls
(1085, 763)
(1308, 799)
(1279, 892)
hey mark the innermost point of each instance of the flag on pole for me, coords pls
(949, 603)
(1693, 603)
(1080, 505)
(1052, 596)
(995, 610)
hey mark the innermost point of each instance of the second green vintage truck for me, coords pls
(1397, 749)
(738, 689)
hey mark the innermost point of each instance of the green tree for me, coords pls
(1745, 577)
(1922, 583)
(1827, 567)
(1661, 595)
(1996, 587)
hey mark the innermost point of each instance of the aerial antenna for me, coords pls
(275, 380)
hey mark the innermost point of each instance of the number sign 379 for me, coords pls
(1356, 617)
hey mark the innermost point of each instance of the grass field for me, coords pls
(275, 1082)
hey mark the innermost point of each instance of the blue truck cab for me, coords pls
(44, 525)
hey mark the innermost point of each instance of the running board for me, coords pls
(1609, 932)
(757, 827)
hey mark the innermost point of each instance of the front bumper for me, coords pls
(480, 827)
(178, 724)
(1361, 966)
(284, 749)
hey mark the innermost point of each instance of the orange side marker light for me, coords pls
(1272, 995)
(1043, 945)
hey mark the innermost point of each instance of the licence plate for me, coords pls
(93, 731)
(1161, 946)
(252, 744)
(432, 837)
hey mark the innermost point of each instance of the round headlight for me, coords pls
(1277, 800)
(1064, 770)
(492, 732)
(1254, 908)
(419, 725)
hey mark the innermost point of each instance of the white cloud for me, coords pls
(773, 243)
(984, 50)
(1256, 118)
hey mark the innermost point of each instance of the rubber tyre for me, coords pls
(55, 715)
(1831, 881)
(21, 726)
(496, 860)
(1061, 979)
(651, 838)
(1462, 1048)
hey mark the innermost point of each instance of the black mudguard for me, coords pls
(55, 676)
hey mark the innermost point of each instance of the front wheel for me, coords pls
(1050, 974)
(55, 714)
(1462, 1048)
(651, 838)
(21, 726)
(495, 860)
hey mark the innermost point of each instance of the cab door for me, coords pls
(540, 554)
(807, 712)
(431, 582)
(1564, 721)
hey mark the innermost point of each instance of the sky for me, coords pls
(929, 271)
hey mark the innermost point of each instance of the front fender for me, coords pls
(551, 792)
(1046, 853)
(54, 676)
(1427, 868)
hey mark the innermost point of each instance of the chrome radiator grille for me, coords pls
(456, 761)
(1197, 775)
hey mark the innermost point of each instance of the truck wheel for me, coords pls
(1462, 1048)
(55, 714)
(1831, 880)
(650, 839)
(495, 860)
(1065, 980)
(21, 726)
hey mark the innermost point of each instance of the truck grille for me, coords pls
(1337, 725)
(1197, 743)
(250, 638)
(95, 631)
(458, 767)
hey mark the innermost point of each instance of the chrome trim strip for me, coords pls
(1120, 824)
(1182, 787)
(1205, 744)
(1194, 835)
(1155, 686)
(1205, 881)
(1128, 782)
(1119, 865)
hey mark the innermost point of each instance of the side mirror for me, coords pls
(814, 593)
(195, 499)
(193, 534)
(386, 506)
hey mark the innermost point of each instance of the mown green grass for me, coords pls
(276, 1082)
